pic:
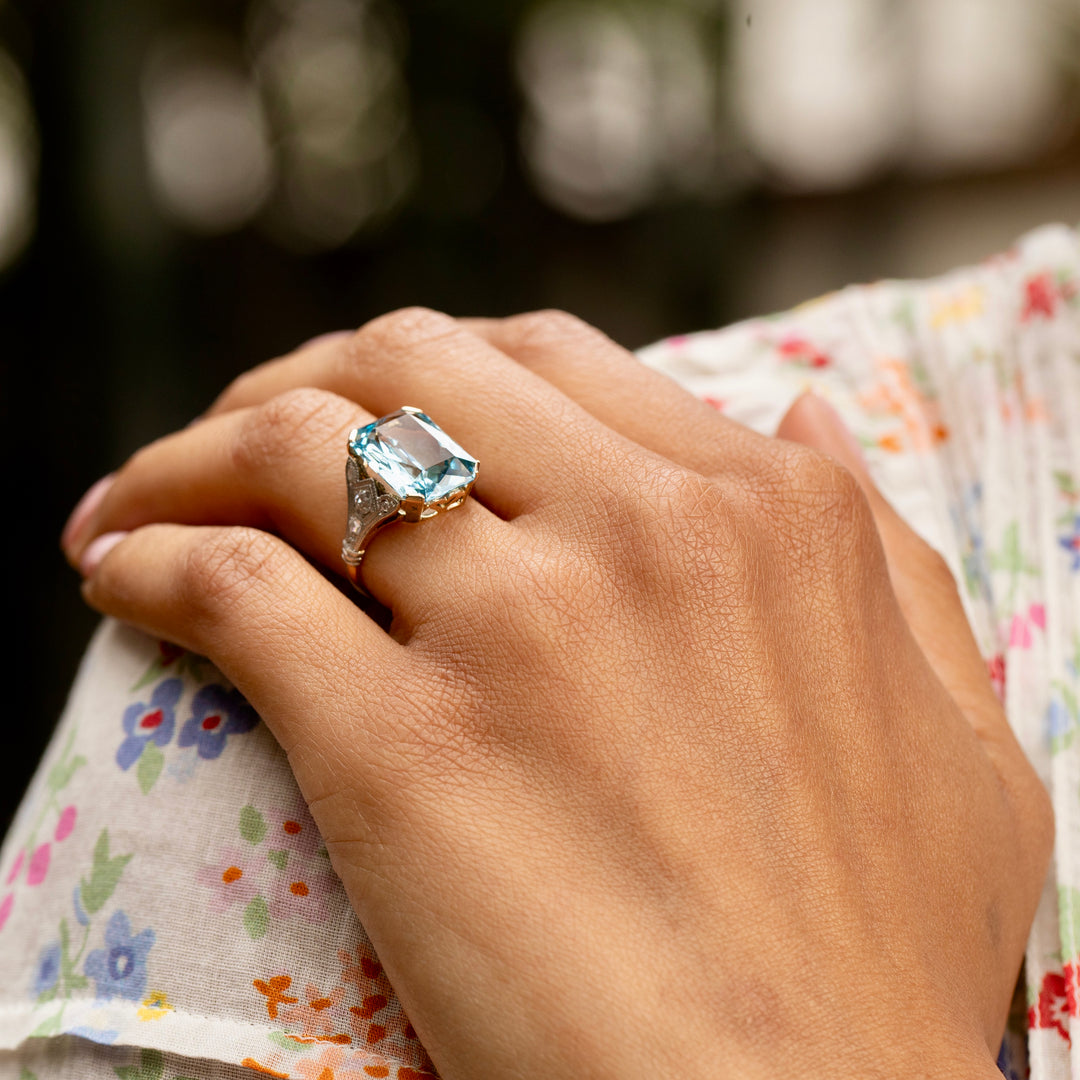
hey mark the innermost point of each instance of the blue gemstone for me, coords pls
(412, 455)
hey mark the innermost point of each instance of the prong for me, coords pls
(412, 508)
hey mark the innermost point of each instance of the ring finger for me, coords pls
(278, 467)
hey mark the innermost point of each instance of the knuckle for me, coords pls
(276, 429)
(813, 496)
(696, 503)
(225, 565)
(398, 332)
(536, 329)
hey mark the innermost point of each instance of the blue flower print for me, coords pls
(1005, 1062)
(120, 968)
(217, 713)
(151, 723)
(48, 968)
(98, 1035)
(1071, 543)
(1058, 720)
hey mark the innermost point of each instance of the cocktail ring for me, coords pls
(403, 467)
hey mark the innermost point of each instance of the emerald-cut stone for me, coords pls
(413, 456)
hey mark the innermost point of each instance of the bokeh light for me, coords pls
(331, 73)
(18, 162)
(620, 104)
(206, 140)
(818, 89)
(985, 90)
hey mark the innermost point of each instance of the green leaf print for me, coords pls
(153, 672)
(151, 762)
(1065, 482)
(280, 1039)
(280, 859)
(104, 876)
(48, 1027)
(1011, 559)
(151, 1067)
(252, 825)
(61, 773)
(904, 314)
(256, 918)
(26, 1074)
(69, 977)
(1069, 912)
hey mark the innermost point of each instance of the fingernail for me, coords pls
(84, 510)
(96, 551)
(836, 421)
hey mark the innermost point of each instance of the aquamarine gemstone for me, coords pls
(412, 455)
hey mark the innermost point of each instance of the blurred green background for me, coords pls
(188, 188)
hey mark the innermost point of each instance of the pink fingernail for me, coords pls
(96, 551)
(84, 511)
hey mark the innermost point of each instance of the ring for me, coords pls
(402, 467)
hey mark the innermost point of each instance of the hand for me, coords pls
(678, 756)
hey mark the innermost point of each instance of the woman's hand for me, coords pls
(678, 758)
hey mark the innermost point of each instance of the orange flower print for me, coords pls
(897, 394)
(361, 972)
(315, 1015)
(274, 990)
(329, 1065)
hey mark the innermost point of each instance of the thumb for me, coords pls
(921, 579)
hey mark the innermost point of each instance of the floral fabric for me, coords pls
(167, 907)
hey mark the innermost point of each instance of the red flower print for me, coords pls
(996, 667)
(799, 351)
(1040, 298)
(1051, 1009)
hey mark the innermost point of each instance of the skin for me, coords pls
(678, 756)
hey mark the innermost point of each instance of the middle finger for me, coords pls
(523, 430)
